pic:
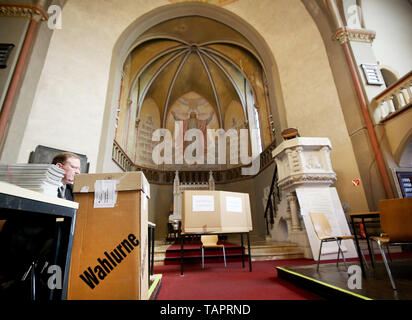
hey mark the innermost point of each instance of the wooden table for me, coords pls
(18, 203)
(362, 216)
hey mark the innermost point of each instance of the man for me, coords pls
(70, 163)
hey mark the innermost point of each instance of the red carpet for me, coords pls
(216, 282)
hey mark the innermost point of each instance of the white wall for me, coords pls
(392, 22)
(69, 104)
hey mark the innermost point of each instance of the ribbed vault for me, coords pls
(194, 54)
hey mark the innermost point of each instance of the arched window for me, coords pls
(390, 78)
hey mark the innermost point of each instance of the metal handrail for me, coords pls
(271, 204)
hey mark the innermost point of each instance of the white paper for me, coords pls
(314, 200)
(203, 203)
(319, 200)
(105, 194)
(234, 204)
(84, 189)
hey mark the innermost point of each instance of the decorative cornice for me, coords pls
(359, 35)
(22, 10)
(305, 178)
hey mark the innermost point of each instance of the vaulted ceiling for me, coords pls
(194, 54)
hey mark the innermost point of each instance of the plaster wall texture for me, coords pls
(392, 22)
(398, 130)
(69, 103)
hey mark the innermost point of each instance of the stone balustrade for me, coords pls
(120, 157)
(157, 176)
(393, 100)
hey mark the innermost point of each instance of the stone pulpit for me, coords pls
(305, 176)
(304, 161)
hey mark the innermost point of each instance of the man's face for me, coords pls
(71, 168)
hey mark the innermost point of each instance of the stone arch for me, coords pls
(283, 230)
(127, 41)
(403, 155)
(389, 75)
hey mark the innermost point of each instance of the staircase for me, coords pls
(260, 250)
(160, 252)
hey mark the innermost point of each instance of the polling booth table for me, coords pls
(110, 248)
(216, 212)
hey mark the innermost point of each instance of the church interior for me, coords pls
(287, 108)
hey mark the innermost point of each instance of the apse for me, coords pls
(191, 69)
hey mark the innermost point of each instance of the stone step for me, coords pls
(275, 245)
(268, 250)
(280, 256)
(260, 250)
(274, 252)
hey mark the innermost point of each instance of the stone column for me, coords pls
(176, 197)
(292, 200)
(211, 181)
(356, 43)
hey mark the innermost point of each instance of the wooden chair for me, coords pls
(396, 223)
(2, 222)
(210, 241)
(323, 231)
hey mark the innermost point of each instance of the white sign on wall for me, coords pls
(372, 74)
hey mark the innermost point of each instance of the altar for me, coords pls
(179, 188)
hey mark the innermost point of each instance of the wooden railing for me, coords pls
(393, 100)
(120, 157)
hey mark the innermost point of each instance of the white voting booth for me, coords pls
(216, 212)
(305, 175)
